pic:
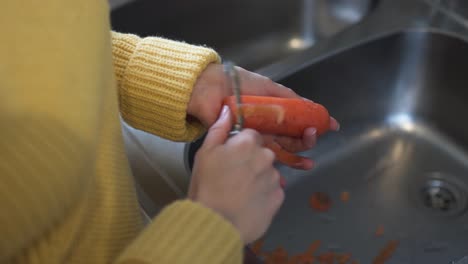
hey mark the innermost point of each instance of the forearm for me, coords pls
(186, 232)
(155, 77)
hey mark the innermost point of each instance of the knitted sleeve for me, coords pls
(186, 232)
(155, 77)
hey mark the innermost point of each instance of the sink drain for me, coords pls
(443, 196)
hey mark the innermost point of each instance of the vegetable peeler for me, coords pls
(233, 82)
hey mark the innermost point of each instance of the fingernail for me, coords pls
(310, 135)
(224, 111)
(335, 122)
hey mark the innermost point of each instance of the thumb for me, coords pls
(219, 131)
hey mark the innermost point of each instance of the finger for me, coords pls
(275, 89)
(291, 144)
(310, 137)
(272, 182)
(256, 84)
(262, 162)
(304, 164)
(219, 132)
(277, 179)
(334, 125)
(246, 139)
(277, 199)
(290, 159)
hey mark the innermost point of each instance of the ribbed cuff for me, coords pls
(156, 80)
(123, 46)
(186, 232)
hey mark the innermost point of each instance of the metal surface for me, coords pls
(254, 34)
(438, 197)
(397, 83)
(443, 196)
(233, 83)
(463, 260)
(388, 16)
(114, 4)
(401, 100)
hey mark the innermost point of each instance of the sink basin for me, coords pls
(251, 33)
(401, 153)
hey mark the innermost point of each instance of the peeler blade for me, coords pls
(233, 82)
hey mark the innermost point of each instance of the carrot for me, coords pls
(326, 258)
(343, 258)
(386, 252)
(320, 202)
(344, 196)
(257, 246)
(281, 116)
(379, 231)
(285, 157)
(278, 256)
(313, 247)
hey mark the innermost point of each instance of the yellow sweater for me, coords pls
(66, 192)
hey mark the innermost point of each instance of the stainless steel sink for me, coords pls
(402, 152)
(397, 83)
(253, 34)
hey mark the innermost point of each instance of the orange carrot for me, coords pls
(344, 196)
(386, 252)
(326, 258)
(257, 246)
(379, 231)
(320, 202)
(284, 156)
(343, 258)
(313, 247)
(281, 116)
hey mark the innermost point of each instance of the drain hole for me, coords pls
(442, 196)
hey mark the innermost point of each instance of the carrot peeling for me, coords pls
(257, 246)
(283, 156)
(344, 196)
(379, 231)
(386, 252)
(313, 247)
(320, 202)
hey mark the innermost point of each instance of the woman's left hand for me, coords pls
(210, 90)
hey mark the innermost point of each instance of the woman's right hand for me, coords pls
(236, 178)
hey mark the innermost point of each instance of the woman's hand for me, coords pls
(236, 178)
(210, 90)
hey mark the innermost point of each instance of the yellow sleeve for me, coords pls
(155, 77)
(186, 232)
